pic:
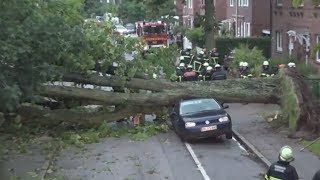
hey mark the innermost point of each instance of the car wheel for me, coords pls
(229, 135)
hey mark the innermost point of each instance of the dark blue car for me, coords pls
(201, 118)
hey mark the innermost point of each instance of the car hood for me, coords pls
(202, 116)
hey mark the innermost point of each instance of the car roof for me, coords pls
(196, 99)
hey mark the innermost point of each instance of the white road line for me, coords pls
(240, 146)
(196, 160)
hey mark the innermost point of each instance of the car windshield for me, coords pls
(198, 105)
(130, 26)
(154, 29)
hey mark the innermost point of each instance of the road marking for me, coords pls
(240, 146)
(196, 160)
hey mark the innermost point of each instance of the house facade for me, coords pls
(247, 18)
(295, 31)
(189, 10)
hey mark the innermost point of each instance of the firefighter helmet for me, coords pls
(217, 66)
(241, 64)
(189, 67)
(265, 63)
(209, 68)
(292, 64)
(182, 65)
(205, 64)
(286, 154)
(245, 64)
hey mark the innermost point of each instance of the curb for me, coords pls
(251, 148)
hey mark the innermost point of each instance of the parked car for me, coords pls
(121, 29)
(201, 118)
(131, 28)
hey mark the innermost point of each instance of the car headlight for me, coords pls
(224, 119)
(190, 124)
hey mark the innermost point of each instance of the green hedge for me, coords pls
(226, 44)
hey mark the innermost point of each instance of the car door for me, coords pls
(175, 118)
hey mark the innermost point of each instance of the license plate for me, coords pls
(209, 128)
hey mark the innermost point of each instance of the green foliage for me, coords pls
(226, 44)
(297, 3)
(316, 2)
(315, 148)
(131, 11)
(179, 29)
(315, 49)
(196, 36)
(289, 102)
(253, 56)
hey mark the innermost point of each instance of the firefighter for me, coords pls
(204, 68)
(180, 71)
(219, 73)
(190, 74)
(246, 72)
(198, 61)
(215, 55)
(266, 70)
(282, 170)
(207, 74)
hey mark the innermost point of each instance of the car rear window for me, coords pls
(193, 106)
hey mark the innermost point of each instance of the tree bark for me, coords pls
(209, 24)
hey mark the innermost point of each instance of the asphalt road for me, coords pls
(161, 157)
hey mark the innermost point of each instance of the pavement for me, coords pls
(269, 141)
(165, 156)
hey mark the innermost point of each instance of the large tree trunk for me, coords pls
(233, 90)
(209, 24)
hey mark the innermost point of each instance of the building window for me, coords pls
(318, 52)
(279, 2)
(247, 30)
(190, 4)
(244, 3)
(279, 40)
(231, 3)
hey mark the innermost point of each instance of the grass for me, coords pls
(315, 148)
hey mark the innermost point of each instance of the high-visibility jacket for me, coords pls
(281, 171)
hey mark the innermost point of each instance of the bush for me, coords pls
(253, 56)
(196, 36)
(227, 44)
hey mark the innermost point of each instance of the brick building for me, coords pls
(294, 29)
(188, 11)
(253, 17)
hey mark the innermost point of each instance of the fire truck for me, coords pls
(155, 34)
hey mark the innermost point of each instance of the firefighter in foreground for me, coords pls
(245, 72)
(206, 75)
(282, 170)
(219, 73)
(266, 70)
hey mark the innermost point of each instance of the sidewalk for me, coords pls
(258, 132)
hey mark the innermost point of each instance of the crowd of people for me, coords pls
(207, 67)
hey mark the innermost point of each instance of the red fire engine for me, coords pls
(155, 34)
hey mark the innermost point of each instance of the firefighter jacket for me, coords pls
(281, 171)
(245, 73)
(219, 75)
(266, 72)
(205, 76)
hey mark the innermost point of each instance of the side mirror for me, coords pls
(225, 106)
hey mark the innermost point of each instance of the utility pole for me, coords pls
(237, 34)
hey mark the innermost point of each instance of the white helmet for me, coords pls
(182, 65)
(201, 52)
(114, 64)
(154, 76)
(245, 64)
(241, 64)
(265, 63)
(286, 154)
(205, 64)
(189, 66)
(292, 64)
(217, 66)
(181, 58)
(209, 68)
